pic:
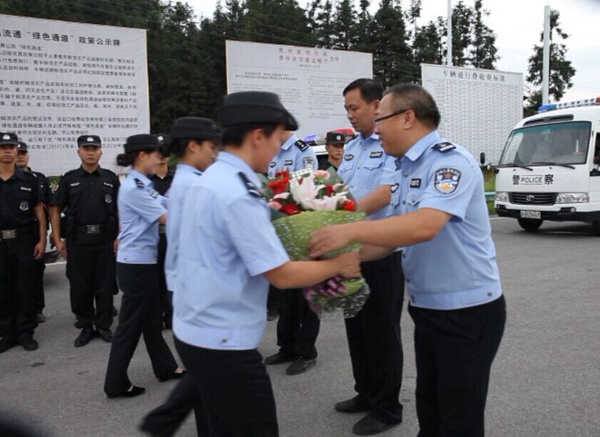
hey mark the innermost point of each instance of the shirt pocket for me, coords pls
(24, 204)
(372, 171)
(108, 196)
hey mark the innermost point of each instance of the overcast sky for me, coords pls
(517, 24)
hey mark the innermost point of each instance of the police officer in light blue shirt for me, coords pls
(294, 155)
(141, 209)
(452, 278)
(193, 141)
(228, 254)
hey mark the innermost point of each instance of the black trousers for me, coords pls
(17, 287)
(166, 419)
(166, 297)
(235, 390)
(40, 298)
(454, 352)
(298, 326)
(139, 314)
(91, 273)
(375, 342)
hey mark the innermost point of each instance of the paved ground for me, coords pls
(545, 381)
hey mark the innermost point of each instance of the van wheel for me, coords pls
(596, 228)
(530, 225)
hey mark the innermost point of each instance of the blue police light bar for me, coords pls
(546, 108)
(572, 104)
(311, 138)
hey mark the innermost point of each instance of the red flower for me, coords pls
(290, 209)
(349, 206)
(278, 186)
(329, 190)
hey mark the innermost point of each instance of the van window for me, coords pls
(553, 143)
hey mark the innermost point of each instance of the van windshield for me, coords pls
(556, 143)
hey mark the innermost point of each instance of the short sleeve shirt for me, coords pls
(294, 155)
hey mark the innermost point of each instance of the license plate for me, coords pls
(531, 214)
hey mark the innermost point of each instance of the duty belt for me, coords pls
(90, 229)
(8, 234)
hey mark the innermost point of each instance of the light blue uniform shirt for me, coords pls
(185, 176)
(294, 155)
(457, 269)
(365, 167)
(140, 207)
(226, 243)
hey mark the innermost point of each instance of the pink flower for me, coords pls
(275, 205)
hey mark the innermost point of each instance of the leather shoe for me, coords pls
(354, 405)
(174, 375)
(84, 338)
(279, 358)
(105, 334)
(272, 314)
(115, 311)
(28, 343)
(370, 425)
(301, 365)
(131, 393)
(41, 318)
(7, 342)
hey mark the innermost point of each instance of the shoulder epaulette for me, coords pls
(139, 183)
(253, 190)
(444, 147)
(301, 145)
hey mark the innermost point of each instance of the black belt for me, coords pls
(9, 234)
(90, 229)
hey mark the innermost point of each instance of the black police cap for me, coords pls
(194, 128)
(247, 107)
(163, 142)
(9, 139)
(89, 140)
(141, 142)
(22, 146)
(335, 138)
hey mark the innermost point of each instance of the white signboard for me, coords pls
(479, 107)
(60, 80)
(309, 81)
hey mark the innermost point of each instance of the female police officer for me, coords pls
(141, 209)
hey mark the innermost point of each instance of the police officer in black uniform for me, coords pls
(46, 192)
(22, 242)
(162, 180)
(89, 195)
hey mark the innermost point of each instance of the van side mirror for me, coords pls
(482, 158)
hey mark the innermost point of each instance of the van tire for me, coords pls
(596, 228)
(530, 225)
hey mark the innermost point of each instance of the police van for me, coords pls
(549, 169)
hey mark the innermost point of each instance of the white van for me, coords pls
(549, 167)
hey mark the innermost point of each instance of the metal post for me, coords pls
(546, 62)
(449, 38)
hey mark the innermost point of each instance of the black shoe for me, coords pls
(370, 425)
(301, 365)
(279, 358)
(84, 337)
(105, 334)
(115, 311)
(7, 342)
(272, 314)
(173, 375)
(168, 321)
(354, 405)
(41, 318)
(131, 393)
(28, 343)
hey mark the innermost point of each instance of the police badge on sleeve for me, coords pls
(446, 180)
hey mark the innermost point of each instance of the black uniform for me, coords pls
(46, 196)
(91, 226)
(162, 185)
(19, 233)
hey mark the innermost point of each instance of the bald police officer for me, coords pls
(22, 242)
(452, 278)
(89, 195)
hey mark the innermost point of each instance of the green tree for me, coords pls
(344, 26)
(483, 51)
(462, 17)
(427, 46)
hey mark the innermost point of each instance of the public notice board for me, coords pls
(60, 80)
(308, 80)
(479, 107)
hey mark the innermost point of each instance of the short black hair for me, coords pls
(235, 135)
(370, 89)
(416, 98)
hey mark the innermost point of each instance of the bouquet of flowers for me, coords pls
(303, 202)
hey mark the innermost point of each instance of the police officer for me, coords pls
(46, 196)
(22, 242)
(452, 279)
(374, 337)
(193, 142)
(141, 209)
(89, 196)
(162, 180)
(334, 145)
(294, 155)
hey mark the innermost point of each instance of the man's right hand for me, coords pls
(61, 246)
(349, 264)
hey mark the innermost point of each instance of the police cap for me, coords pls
(247, 107)
(141, 142)
(22, 146)
(194, 128)
(89, 140)
(163, 143)
(8, 139)
(335, 138)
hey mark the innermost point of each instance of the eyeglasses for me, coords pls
(393, 114)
